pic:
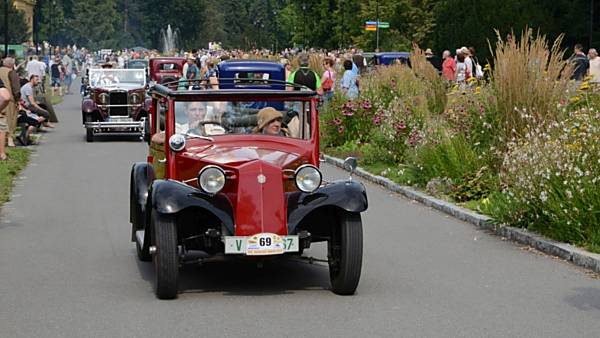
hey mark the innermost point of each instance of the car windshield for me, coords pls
(114, 77)
(213, 118)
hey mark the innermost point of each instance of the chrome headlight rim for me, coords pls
(205, 171)
(177, 142)
(103, 98)
(135, 98)
(297, 176)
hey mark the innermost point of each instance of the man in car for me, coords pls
(195, 112)
(269, 122)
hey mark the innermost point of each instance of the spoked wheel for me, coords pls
(89, 132)
(345, 253)
(165, 258)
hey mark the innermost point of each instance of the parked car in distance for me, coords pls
(115, 103)
(166, 69)
(216, 184)
(387, 58)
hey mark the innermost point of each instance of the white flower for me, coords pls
(543, 196)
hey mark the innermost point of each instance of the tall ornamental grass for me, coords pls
(435, 85)
(531, 76)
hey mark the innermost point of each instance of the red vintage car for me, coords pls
(166, 69)
(230, 175)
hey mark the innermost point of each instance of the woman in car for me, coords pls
(269, 122)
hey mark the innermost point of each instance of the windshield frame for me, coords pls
(95, 74)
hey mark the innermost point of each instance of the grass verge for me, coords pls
(18, 158)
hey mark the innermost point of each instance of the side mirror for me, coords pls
(350, 164)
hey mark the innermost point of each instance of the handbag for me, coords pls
(327, 85)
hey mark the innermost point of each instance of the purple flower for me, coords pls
(340, 129)
(337, 121)
(347, 112)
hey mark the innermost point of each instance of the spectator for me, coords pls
(462, 72)
(12, 84)
(328, 79)
(434, 60)
(594, 61)
(449, 66)
(4, 100)
(28, 122)
(27, 95)
(55, 75)
(304, 76)
(580, 63)
(468, 62)
(68, 66)
(349, 79)
(477, 71)
(359, 61)
(36, 67)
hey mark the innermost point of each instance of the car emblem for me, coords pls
(261, 178)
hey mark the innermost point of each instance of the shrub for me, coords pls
(552, 180)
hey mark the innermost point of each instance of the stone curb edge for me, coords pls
(565, 251)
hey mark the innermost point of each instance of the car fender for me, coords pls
(142, 175)
(171, 197)
(347, 195)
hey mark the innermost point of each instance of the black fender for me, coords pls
(171, 197)
(347, 195)
(142, 175)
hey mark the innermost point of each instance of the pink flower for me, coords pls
(366, 104)
(337, 121)
(377, 120)
(340, 129)
(347, 112)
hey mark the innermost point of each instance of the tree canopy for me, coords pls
(441, 24)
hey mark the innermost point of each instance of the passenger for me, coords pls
(269, 122)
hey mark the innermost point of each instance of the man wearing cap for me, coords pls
(304, 76)
(269, 122)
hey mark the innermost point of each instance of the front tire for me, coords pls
(166, 258)
(345, 253)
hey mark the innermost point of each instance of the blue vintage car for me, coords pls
(251, 74)
(387, 58)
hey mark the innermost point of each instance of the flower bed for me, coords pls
(521, 147)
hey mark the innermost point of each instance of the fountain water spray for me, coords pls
(169, 40)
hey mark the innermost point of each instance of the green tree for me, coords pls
(92, 30)
(18, 31)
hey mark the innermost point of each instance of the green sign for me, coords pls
(384, 24)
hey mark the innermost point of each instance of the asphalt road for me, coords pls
(68, 269)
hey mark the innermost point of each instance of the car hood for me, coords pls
(259, 182)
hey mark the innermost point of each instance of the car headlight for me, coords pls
(135, 98)
(177, 142)
(211, 179)
(103, 98)
(308, 178)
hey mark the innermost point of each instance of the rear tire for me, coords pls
(166, 258)
(345, 253)
(89, 132)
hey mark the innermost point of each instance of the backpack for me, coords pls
(306, 77)
(327, 85)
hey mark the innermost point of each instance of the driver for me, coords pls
(196, 113)
(269, 122)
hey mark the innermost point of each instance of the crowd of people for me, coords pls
(24, 104)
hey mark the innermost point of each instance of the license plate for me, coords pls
(261, 244)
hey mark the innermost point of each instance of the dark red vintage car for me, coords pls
(166, 69)
(114, 102)
(229, 175)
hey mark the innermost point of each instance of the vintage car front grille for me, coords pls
(118, 98)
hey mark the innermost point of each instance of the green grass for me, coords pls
(56, 99)
(18, 158)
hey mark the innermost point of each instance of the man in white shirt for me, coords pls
(594, 65)
(35, 67)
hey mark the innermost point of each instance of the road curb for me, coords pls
(565, 251)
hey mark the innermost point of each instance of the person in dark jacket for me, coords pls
(580, 63)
